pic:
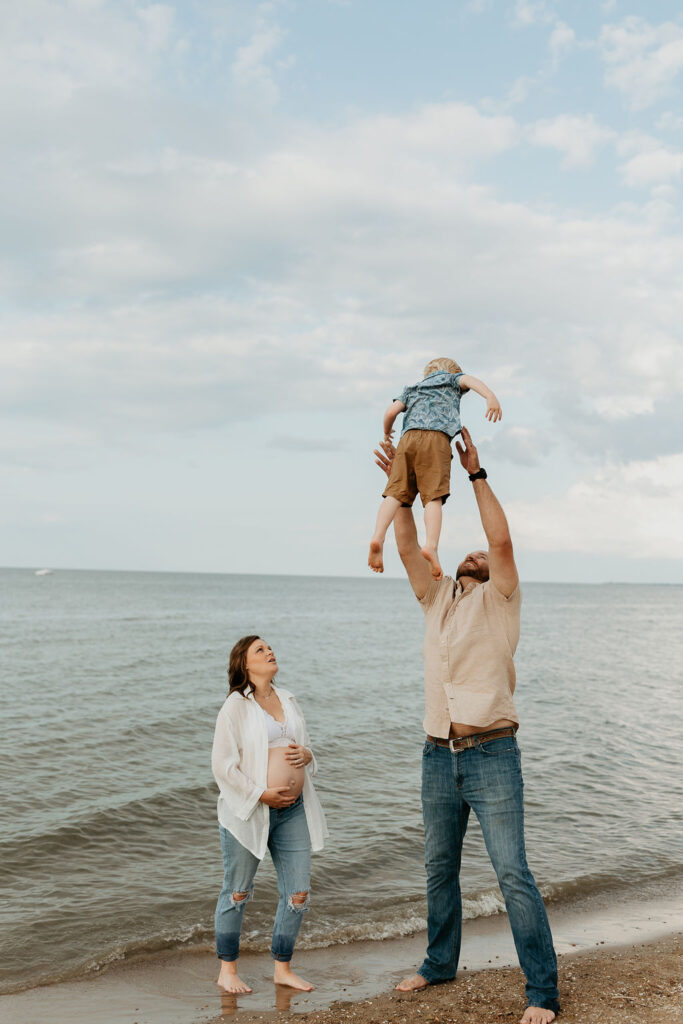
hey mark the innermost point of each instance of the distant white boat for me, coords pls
(43, 572)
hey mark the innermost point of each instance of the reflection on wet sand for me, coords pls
(230, 1001)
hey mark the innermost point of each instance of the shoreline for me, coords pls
(179, 987)
(614, 984)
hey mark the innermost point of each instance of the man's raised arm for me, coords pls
(502, 568)
(405, 531)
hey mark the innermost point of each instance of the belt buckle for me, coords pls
(451, 742)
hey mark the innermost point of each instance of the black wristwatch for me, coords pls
(479, 475)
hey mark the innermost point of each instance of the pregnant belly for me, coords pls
(282, 773)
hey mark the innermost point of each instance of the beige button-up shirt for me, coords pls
(470, 638)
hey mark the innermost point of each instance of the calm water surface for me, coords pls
(111, 686)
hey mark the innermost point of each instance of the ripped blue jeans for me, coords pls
(290, 847)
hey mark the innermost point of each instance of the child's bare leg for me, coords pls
(385, 517)
(433, 516)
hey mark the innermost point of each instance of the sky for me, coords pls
(233, 232)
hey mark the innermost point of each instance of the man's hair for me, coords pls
(442, 363)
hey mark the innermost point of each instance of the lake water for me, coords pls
(111, 683)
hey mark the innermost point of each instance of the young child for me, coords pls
(423, 458)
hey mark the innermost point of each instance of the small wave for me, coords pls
(195, 936)
(101, 827)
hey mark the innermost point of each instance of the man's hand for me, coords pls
(385, 457)
(469, 457)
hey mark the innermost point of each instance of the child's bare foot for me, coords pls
(229, 979)
(432, 557)
(284, 975)
(375, 560)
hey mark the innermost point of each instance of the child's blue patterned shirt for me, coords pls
(433, 404)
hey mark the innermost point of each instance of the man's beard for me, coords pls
(477, 573)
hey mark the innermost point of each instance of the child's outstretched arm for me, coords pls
(390, 415)
(493, 409)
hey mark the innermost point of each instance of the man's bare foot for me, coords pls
(375, 560)
(284, 975)
(434, 564)
(537, 1015)
(412, 984)
(229, 979)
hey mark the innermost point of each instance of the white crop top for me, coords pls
(280, 734)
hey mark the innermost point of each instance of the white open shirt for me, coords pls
(239, 760)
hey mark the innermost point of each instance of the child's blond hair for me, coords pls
(447, 365)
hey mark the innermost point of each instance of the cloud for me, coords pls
(530, 12)
(149, 280)
(577, 137)
(523, 446)
(159, 21)
(642, 60)
(308, 444)
(633, 508)
(251, 67)
(342, 259)
(652, 167)
(562, 41)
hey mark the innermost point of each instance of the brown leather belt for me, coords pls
(464, 742)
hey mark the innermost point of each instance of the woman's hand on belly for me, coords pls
(277, 797)
(298, 756)
(283, 773)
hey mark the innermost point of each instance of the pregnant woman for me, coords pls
(262, 762)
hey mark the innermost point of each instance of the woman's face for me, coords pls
(260, 662)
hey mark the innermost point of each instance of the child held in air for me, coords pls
(422, 463)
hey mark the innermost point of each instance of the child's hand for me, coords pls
(388, 435)
(493, 410)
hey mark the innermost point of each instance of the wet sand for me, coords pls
(617, 961)
(633, 985)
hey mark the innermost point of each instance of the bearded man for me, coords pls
(471, 760)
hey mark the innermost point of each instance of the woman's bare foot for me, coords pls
(412, 984)
(229, 979)
(284, 975)
(432, 557)
(375, 560)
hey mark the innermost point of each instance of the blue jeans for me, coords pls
(488, 779)
(290, 847)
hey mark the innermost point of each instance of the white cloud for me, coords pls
(577, 137)
(158, 20)
(622, 406)
(652, 167)
(529, 12)
(632, 508)
(251, 67)
(343, 258)
(669, 122)
(642, 60)
(562, 41)
(525, 446)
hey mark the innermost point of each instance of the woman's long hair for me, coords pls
(238, 677)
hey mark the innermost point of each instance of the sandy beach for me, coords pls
(630, 985)
(619, 959)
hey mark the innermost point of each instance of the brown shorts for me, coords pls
(422, 465)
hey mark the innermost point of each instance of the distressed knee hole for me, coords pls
(238, 899)
(298, 901)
